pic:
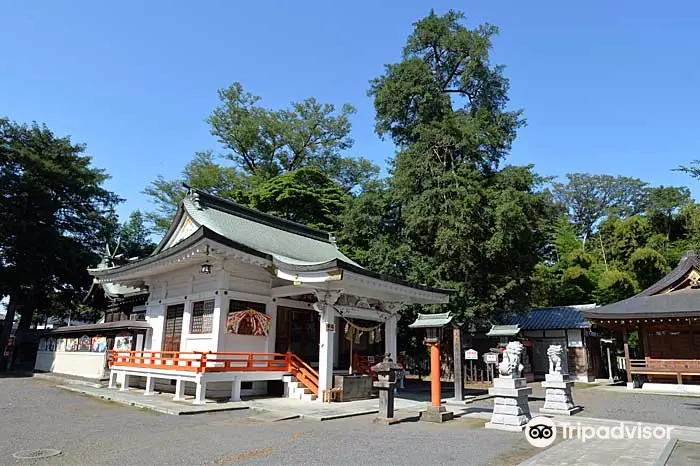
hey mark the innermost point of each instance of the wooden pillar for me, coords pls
(457, 356)
(435, 395)
(645, 340)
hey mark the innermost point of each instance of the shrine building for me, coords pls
(244, 303)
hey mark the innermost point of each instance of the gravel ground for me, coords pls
(35, 414)
(601, 402)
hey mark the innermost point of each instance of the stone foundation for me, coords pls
(436, 414)
(511, 410)
(558, 398)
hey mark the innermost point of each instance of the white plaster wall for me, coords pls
(245, 343)
(198, 342)
(155, 316)
(81, 364)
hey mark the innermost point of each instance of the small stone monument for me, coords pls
(511, 410)
(386, 375)
(557, 398)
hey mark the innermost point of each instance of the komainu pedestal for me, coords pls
(557, 385)
(557, 395)
(511, 410)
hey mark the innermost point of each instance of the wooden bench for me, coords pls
(677, 373)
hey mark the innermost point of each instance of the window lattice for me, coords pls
(202, 316)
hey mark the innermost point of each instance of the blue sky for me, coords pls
(607, 87)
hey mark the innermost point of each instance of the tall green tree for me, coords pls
(265, 143)
(589, 198)
(469, 225)
(135, 237)
(304, 196)
(54, 210)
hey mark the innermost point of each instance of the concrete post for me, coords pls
(236, 390)
(150, 382)
(125, 383)
(201, 392)
(112, 380)
(179, 390)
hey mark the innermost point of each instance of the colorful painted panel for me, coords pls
(99, 344)
(248, 322)
(85, 343)
(71, 344)
(123, 342)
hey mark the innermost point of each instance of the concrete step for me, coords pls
(294, 385)
(288, 378)
(308, 397)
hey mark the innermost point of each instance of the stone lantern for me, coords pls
(386, 380)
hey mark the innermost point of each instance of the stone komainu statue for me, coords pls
(554, 353)
(511, 366)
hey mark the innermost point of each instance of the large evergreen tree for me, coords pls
(54, 213)
(469, 224)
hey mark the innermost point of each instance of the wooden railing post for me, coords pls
(288, 361)
(628, 366)
(250, 360)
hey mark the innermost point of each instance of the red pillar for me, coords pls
(435, 397)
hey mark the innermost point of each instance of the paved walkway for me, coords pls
(282, 408)
(600, 452)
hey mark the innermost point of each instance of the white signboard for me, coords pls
(330, 328)
(491, 358)
(575, 340)
(471, 354)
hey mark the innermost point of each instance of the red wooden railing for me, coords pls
(303, 372)
(217, 362)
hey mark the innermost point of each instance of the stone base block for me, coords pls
(510, 392)
(562, 412)
(559, 385)
(436, 414)
(556, 377)
(505, 382)
(510, 428)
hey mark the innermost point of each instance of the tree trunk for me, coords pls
(6, 331)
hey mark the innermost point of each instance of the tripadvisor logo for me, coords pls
(541, 431)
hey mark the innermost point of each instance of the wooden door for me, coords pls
(173, 327)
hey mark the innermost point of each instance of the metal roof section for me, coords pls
(285, 241)
(503, 331)
(681, 303)
(551, 318)
(288, 250)
(432, 320)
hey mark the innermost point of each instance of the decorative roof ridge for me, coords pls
(202, 199)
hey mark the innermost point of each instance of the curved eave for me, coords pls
(337, 270)
(202, 236)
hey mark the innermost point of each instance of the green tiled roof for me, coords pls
(432, 320)
(285, 241)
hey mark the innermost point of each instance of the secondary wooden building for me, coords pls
(666, 317)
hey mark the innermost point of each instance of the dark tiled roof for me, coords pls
(682, 303)
(551, 318)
